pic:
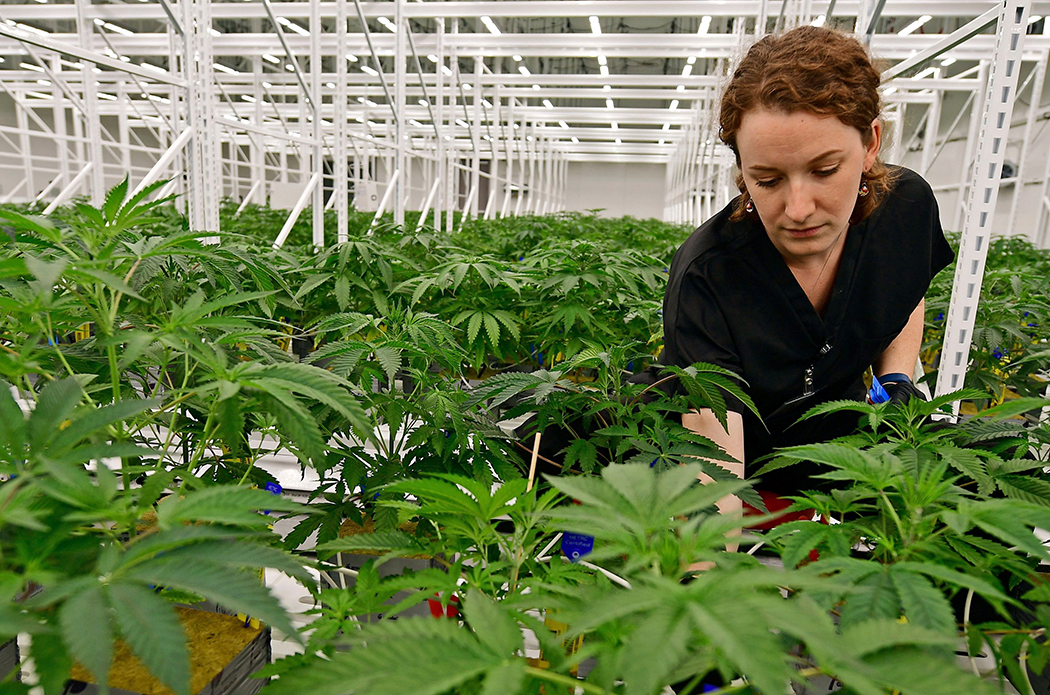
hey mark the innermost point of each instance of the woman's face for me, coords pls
(803, 172)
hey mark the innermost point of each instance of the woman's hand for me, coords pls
(707, 425)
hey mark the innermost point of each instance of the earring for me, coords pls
(749, 206)
(864, 190)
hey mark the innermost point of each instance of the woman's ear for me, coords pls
(872, 147)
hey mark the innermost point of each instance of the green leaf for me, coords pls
(492, 624)
(114, 199)
(875, 635)
(54, 405)
(152, 629)
(923, 603)
(51, 661)
(223, 504)
(236, 590)
(505, 679)
(85, 622)
(874, 597)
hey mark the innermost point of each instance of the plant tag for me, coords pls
(576, 545)
(273, 489)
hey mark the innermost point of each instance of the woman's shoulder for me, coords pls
(909, 187)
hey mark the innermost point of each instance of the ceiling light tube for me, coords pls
(524, 70)
(914, 25)
(563, 124)
(609, 104)
(490, 25)
(596, 27)
(674, 104)
(387, 23)
(271, 59)
(548, 104)
(370, 70)
(705, 24)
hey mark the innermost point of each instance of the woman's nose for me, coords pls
(800, 203)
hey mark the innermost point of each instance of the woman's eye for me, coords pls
(767, 183)
(827, 172)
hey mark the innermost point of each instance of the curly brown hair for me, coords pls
(814, 69)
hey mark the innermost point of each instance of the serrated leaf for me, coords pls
(923, 603)
(492, 624)
(505, 679)
(86, 631)
(237, 590)
(151, 628)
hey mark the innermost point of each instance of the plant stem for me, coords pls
(568, 681)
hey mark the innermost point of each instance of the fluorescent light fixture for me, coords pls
(517, 58)
(575, 140)
(330, 85)
(687, 70)
(548, 104)
(947, 61)
(38, 95)
(369, 102)
(461, 123)
(487, 103)
(604, 70)
(414, 122)
(680, 88)
(214, 32)
(596, 27)
(819, 21)
(563, 124)
(667, 126)
(370, 70)
(705, 24)
(692, 60)
(447, 70)
(606, 88)
(609, 104)
(247, 98)
(468, 86)
(619, 141)
(285, 22)
(46, 83)
(267, 85)
(524, 70)
(490, 25)
(289, 67)
(432, 58)
(614, 125)
(222, 68)
(914, 25)
(31, 66)
(1034, 18)
(602, 60)
(928, 72)
(674, 105)
(424, 102)
(663, 142)
(271, 59)
(114, 28)
(107, 97)
(351, 57)
(151, 66)
(387, 23)
(536, 87)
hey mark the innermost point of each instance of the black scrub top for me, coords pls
(731, 300)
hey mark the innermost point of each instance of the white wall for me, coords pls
(619, 189)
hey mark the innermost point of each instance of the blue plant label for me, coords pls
(273, 489)
(576, 545)
(877, 394)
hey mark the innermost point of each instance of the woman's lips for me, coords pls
(803, 233)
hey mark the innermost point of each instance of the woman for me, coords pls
(817, 271)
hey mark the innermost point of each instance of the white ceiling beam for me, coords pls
(511, 8)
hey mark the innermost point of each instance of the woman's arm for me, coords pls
(707, 425)
(903, 352)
